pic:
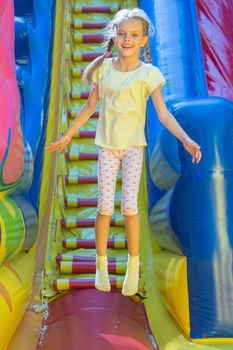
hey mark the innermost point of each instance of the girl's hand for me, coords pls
(59, 144)
(194, 149)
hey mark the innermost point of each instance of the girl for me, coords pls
(123, 85)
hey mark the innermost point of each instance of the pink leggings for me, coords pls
(109, 162)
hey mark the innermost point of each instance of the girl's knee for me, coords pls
(129, 211)
(107, 212)
(105, 207)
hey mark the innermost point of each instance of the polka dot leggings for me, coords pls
(109, 162)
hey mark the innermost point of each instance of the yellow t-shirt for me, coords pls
(123, 97)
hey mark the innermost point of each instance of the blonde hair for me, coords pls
(110, 32)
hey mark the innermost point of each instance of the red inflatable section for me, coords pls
(109, 317)
(11, 139)
(215, 20)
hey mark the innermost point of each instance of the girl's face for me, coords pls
(129, 37)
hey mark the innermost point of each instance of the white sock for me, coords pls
(101, 276)
(130, 284)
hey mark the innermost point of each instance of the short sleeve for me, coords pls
(156, 78)
(95, 76)
(98, 73)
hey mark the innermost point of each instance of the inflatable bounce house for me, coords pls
(48, 200)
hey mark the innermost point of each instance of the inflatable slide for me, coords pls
(48, 201)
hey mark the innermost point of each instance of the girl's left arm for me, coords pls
(167, 119)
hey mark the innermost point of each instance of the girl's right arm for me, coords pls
(85, 113)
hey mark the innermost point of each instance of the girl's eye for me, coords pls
(123, 34)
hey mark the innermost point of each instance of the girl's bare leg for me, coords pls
(102, 225)
(132, 226)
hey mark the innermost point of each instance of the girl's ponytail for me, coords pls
(87, 73)
(109, 45)
(148, 56)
